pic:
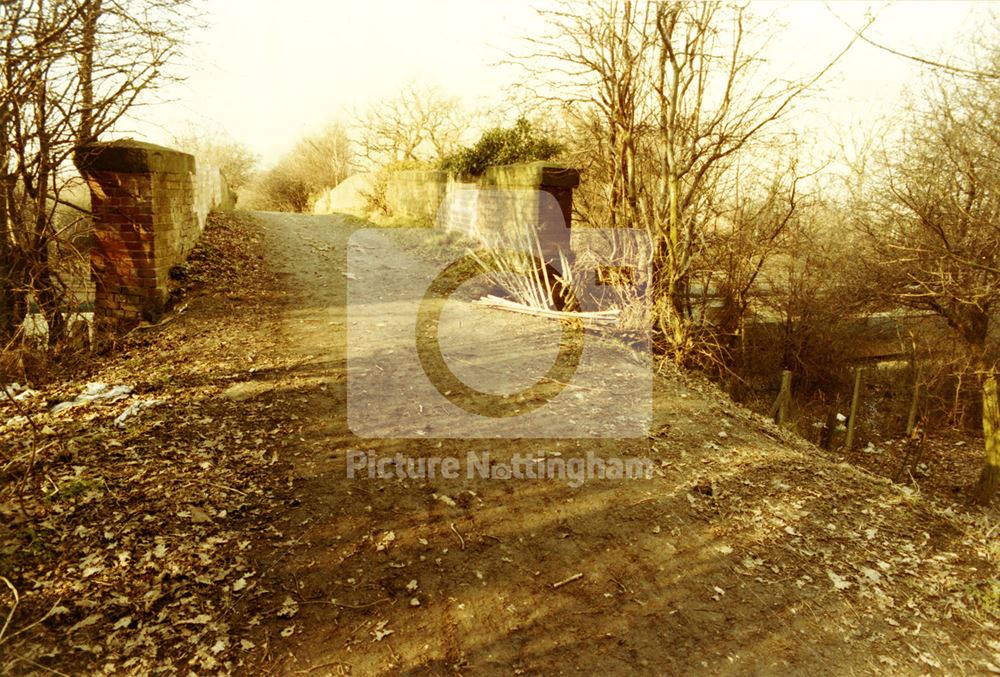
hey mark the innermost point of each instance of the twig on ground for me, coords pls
(30, 625)
(566, 581)
(570, 385)
(349, 606)
(217, 486)
(39, 665)
(323, 665)
(17, 600)
(460, 539)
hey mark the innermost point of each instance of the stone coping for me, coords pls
(532, 174)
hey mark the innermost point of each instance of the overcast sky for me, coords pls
(270, 71)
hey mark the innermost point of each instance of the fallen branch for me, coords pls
(354, 606)
(460, 539)
(331, 664)
(600, 316)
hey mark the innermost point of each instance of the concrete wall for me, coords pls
(149, 206)
(536, 193)
(557, 182)
(532, 197)
(511, 206)
(459, 208)
(504, 201)
(348, 196)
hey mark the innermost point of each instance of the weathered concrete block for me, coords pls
(128, 156)
(348, 196)
(531, 175)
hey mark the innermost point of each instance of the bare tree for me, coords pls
(325, 158)
(235, 160)
(977, 71)
(934, 228)
(761, 213)
(675, 99)
(71, 69)
(594, 66)
(710, 111)
(419, 124)
(317, 162)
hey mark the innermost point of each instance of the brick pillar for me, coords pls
(141, 199)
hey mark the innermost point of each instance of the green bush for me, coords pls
(502, 146)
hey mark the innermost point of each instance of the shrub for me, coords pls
(502, 146)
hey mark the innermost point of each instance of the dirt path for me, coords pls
(745, 553)
(218, 531)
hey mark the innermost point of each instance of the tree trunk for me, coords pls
(51, 301)
(6, 273)
(974, 328)
(89, 45)
(989, 479)
(7, 300)
(13, 301)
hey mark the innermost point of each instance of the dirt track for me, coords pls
(233, 540)
(745, 553)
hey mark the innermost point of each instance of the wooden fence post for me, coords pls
(779, 412)
(911, 419)
(855, 400)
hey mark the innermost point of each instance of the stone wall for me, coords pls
(553, 180)
(149, 206)
(416, 193)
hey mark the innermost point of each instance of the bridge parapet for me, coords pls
(149, 206)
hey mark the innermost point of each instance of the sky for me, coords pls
(269, 72)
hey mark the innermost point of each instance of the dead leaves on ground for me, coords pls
(131, 547)
(909, 566)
